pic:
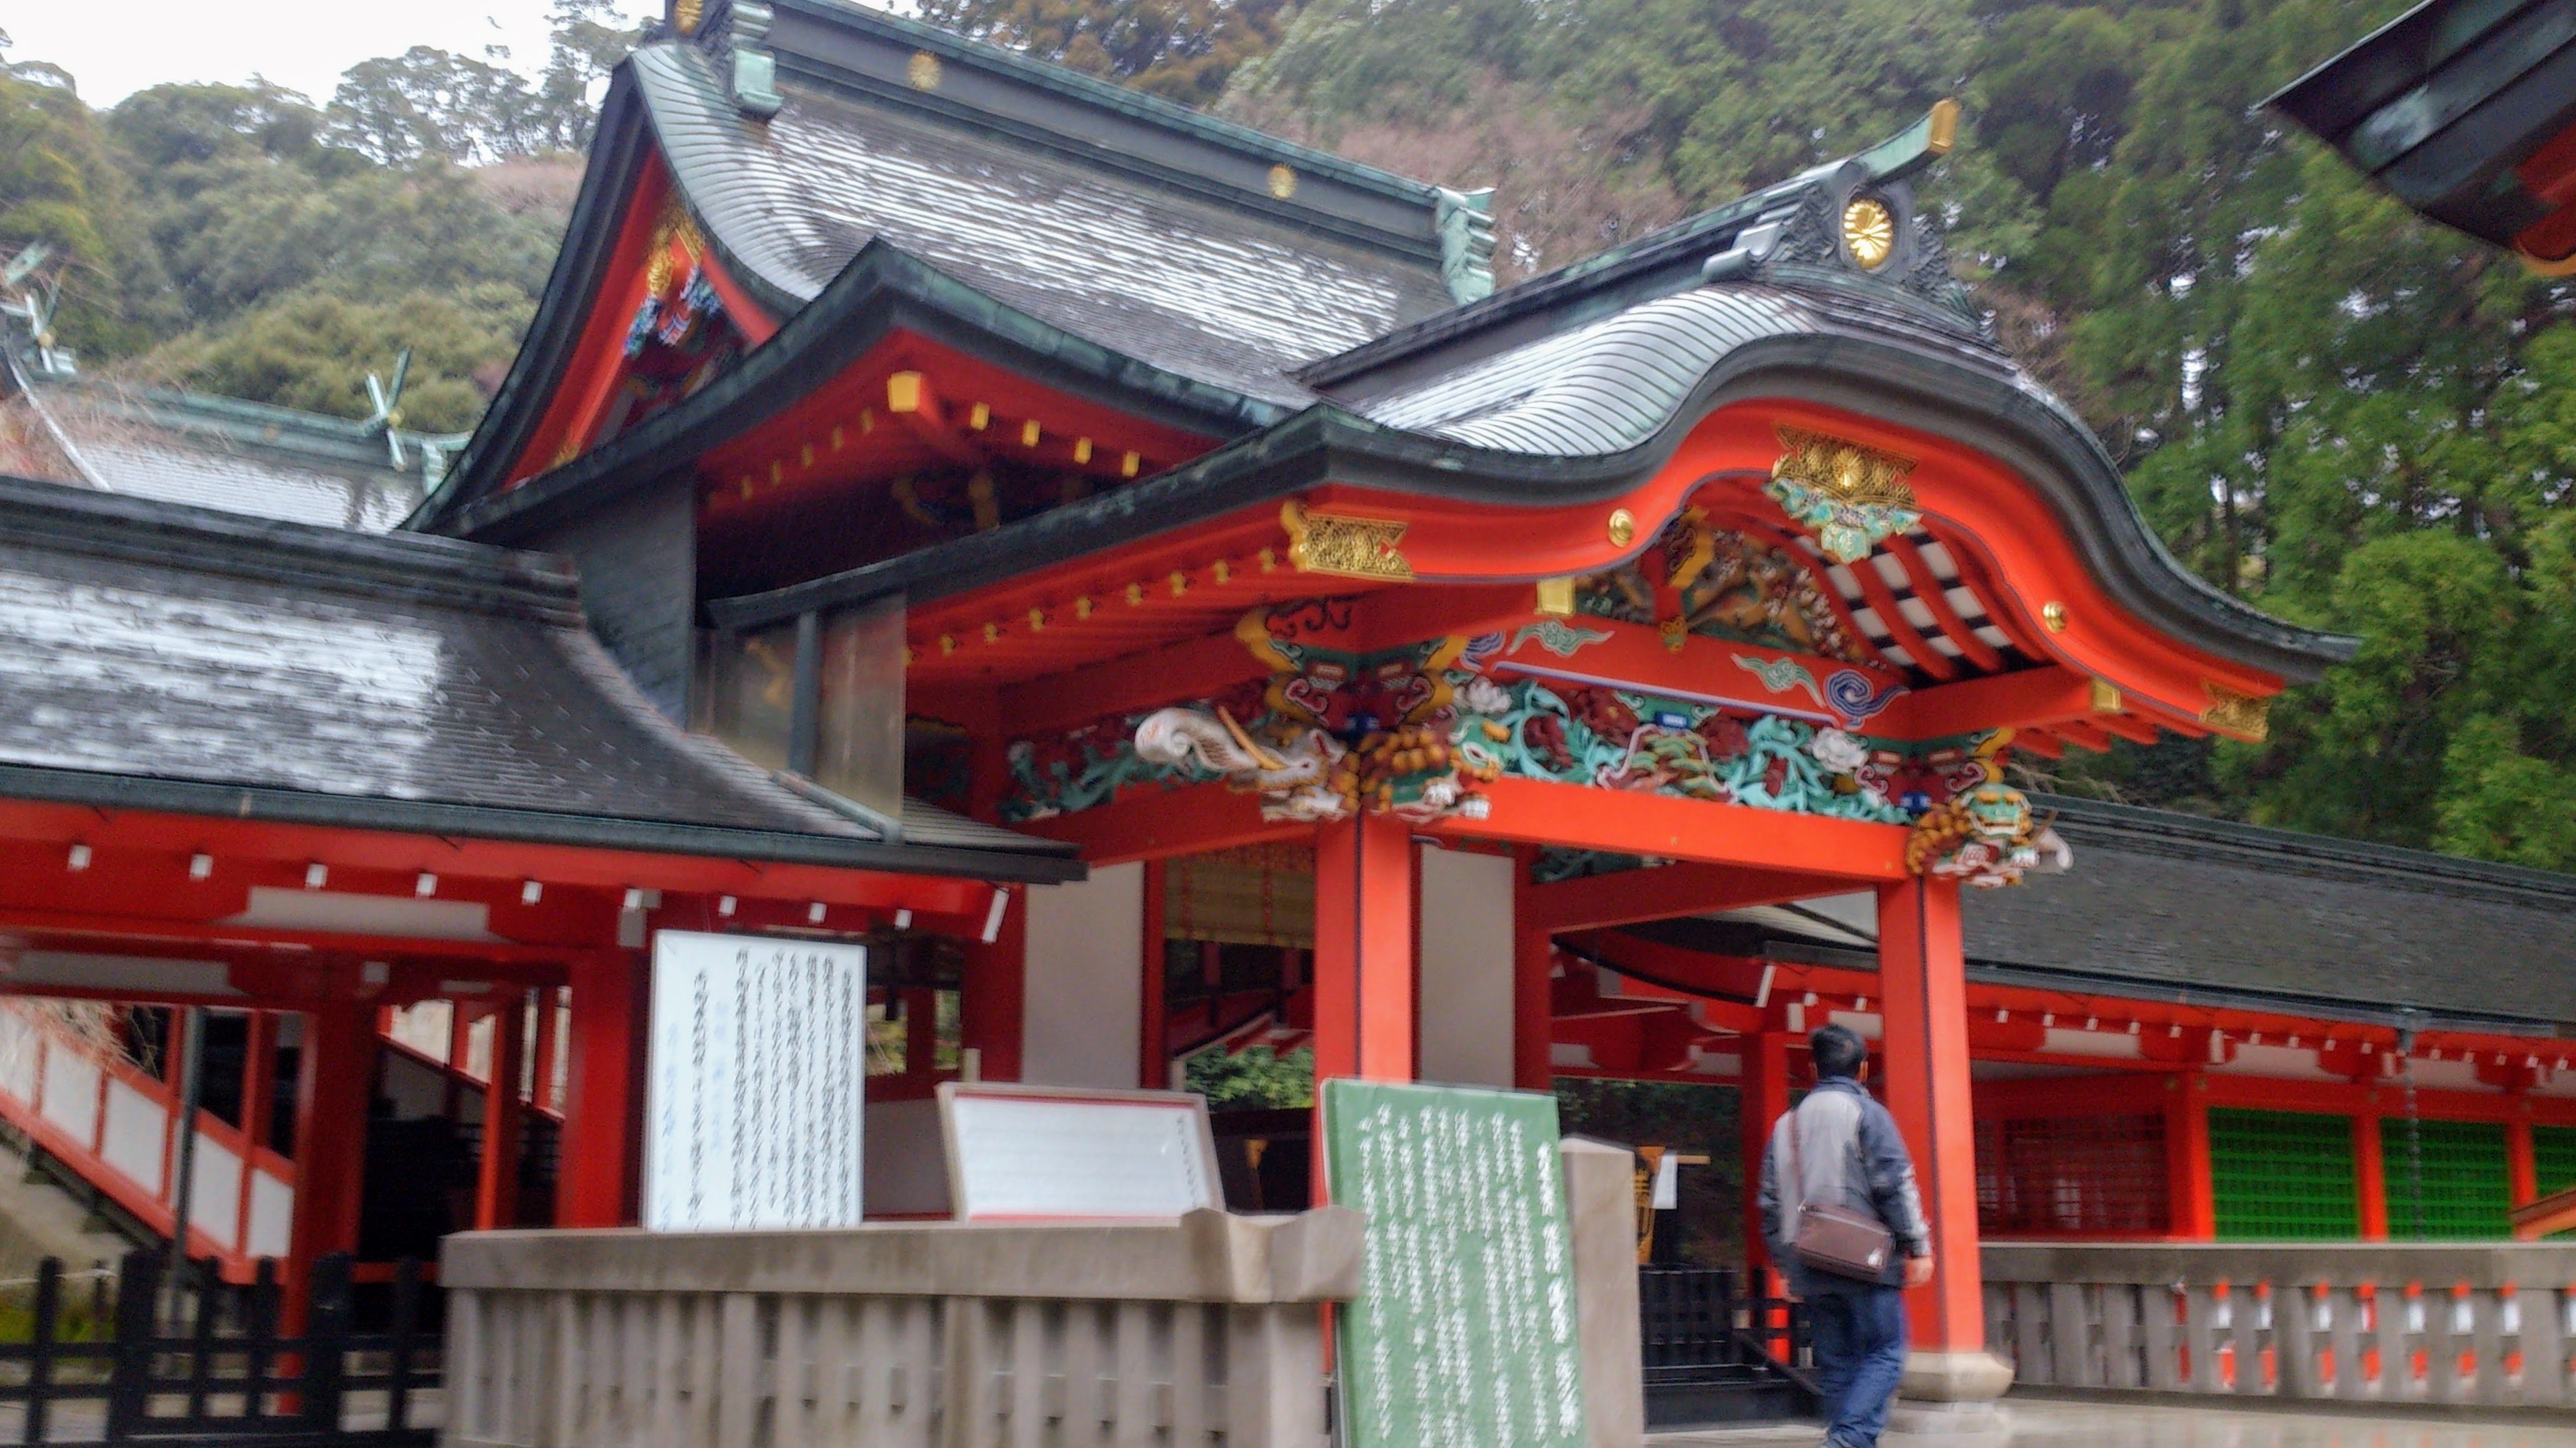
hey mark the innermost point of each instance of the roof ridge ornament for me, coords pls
(1848, 496)
(1467, 238)
(755, 69)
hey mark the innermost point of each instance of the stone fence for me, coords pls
(928, 1335)
(2469, 1323)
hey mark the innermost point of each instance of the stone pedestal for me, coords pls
(1949, 1399)
(1601, 1200)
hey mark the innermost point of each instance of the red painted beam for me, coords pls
(1146, 823)
(1669, 965)
(1628, 896)
(1840, 853)
(228, 838)
(2024, 699)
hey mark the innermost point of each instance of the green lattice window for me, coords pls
(2553, 1157)
(2282, 1176)
(2446, 1179)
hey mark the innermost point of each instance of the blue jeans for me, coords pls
(1859, 1332)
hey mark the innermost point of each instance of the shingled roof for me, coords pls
(2168, 906)
(173, 658)
(1219, 293)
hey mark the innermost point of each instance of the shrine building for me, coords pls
(1147, 579)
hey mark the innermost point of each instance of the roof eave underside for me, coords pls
(881, 292)
(1043, 862)
(2441, 102)
(1990, 411)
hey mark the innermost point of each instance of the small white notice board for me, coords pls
(756, 1083)
(1036, 1153)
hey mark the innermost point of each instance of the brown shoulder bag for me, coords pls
(1835, 1239)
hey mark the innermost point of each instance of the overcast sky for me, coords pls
(114, 48)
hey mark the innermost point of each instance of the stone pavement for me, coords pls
(2046, 1423)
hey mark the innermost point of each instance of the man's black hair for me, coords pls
(1838, 1051)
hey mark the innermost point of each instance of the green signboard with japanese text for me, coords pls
(1463, 1335)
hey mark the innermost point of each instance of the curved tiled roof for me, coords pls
(1217, 294)
(1609, 386)
(174, 658)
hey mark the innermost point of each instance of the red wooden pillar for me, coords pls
(331, 1104)
(1153, 1036)
(1533, 964)
(603, 1129)
(541, 1079)
(2369, 1177)
(1364, 964)
(496, 1182)
(2191, 1200)
(1923, 970)
(1764, 1099)
(259, 1083)
(2521, 1171)
(993, 1004)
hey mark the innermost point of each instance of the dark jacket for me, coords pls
(1850, 1155)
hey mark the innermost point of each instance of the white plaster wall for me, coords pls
(1466, 1001)
(1085, 981)
(137, 1134)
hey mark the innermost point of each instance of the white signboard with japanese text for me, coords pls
(756, 1083)
(1034, 1153)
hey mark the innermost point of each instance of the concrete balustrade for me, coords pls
(2462, 1324)
(898, 1335)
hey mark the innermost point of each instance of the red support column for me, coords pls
(993, 1005)
(1533, 963)
(2521, 1172)
(603, 1130)
(1764, 1099)
(496, 1183)
(2191, 1200)
(259, 1083)
(330, 1136)
(1153, 1037)
(541, 1079)
(1364, 966)
(2369, 1177)
(1923, 971)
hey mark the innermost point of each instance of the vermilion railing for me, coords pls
(117, 1127)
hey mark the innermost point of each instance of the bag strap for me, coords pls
(1797, 1173)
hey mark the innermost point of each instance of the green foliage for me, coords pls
(1183, 50)
(1255, 1078)
(312, 349)
(236, 238)
(61, 185)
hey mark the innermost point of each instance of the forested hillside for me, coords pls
(2348, 417)
(249, 241)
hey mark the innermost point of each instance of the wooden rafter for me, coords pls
(1927, 586)
(1900, 629)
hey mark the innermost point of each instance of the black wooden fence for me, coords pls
(1718, 1353)
(227, 1375)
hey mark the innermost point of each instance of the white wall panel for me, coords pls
(18, 1039)
(214, 1202)
(137, 1135)
(272, 1215)
(71, 1094)
(1466, 1004)
(1086, 965)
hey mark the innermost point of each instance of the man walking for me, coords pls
(1838, 1148)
